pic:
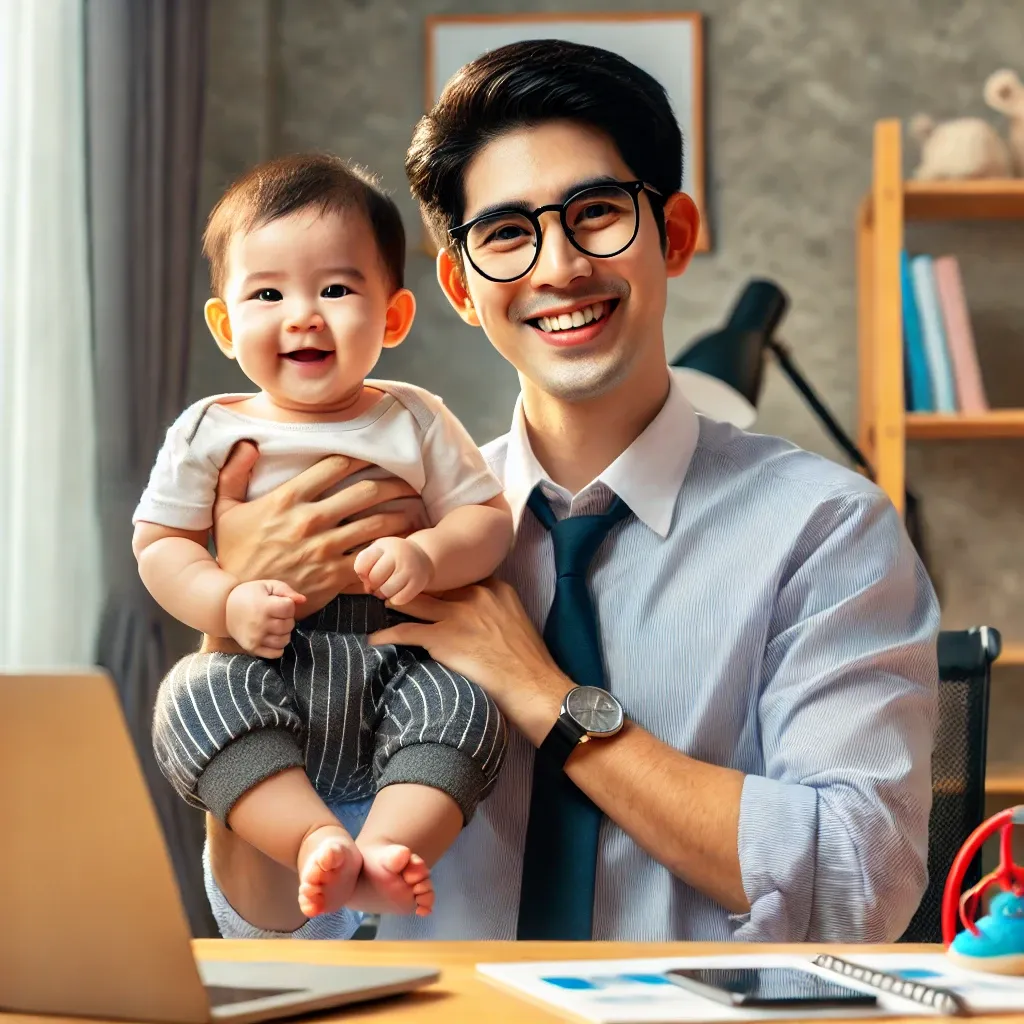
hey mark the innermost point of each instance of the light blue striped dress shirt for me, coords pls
(762, 609)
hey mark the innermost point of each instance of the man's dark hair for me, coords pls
(528, 83)
(307, 180)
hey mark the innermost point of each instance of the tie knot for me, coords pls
(577, 538)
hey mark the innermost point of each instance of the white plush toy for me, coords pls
(1005, 93)
(966, 147)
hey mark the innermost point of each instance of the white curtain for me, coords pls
(49, 540)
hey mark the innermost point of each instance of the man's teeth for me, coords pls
(565, 321)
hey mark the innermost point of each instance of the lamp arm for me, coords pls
(838, 434)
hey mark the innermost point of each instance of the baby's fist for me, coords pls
(395, 569)
(260, 615)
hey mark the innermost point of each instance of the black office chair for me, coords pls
(958, 766)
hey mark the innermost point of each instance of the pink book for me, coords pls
(970, 390)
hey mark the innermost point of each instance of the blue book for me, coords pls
(933, 331)
(916, 362)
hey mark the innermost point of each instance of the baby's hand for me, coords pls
(395, 569)
(261, 616)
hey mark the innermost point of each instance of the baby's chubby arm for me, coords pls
(187, 582)
(466, 546)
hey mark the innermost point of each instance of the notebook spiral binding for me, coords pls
(939, 999)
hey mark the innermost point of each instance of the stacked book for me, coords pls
(940, 358)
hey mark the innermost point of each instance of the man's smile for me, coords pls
(574, 325)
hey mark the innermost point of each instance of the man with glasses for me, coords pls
(717, 651)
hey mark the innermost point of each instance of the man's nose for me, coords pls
(305, 322)
(559, 261)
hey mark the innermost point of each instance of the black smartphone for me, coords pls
(768, 987)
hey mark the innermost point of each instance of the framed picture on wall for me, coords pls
(668, 46)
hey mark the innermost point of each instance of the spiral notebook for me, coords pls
(930, 980)
(637, 991)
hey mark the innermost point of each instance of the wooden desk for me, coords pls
(461, 997)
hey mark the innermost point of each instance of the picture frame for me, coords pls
(668, 45)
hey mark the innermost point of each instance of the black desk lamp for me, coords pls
(724, 371)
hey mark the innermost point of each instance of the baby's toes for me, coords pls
(424, 899)
(311, 900)
(416, 871)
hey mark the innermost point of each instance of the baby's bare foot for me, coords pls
(394, 880)
(328, 865)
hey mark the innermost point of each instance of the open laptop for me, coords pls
(91, 919)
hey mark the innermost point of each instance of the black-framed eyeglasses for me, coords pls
(600, 220)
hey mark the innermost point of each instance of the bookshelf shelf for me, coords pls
(1011, 655)
(964, 200)
(1004, 780)
(958, 426)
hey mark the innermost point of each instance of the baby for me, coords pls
(307, 260)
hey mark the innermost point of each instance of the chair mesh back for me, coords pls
(958, 768)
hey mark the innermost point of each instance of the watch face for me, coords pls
(594, 709)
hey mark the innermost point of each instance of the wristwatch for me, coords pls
(587, 711)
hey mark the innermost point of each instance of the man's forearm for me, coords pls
(683, 812)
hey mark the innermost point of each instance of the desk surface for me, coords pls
(461, 995)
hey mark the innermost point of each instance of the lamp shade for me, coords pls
(722, 372)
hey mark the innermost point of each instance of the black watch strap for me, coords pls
(563, 739)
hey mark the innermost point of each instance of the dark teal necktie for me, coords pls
(560, 858)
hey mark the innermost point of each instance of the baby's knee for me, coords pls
(453, 738)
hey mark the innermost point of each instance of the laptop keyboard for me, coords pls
(225, 995)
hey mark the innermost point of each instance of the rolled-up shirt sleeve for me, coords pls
(833, 836)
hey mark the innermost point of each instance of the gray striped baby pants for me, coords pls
(356, 717)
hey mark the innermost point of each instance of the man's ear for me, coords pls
(216, 312)
(400, 315)
(682, 225)
(453, 284)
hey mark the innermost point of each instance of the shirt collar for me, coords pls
(647, 475)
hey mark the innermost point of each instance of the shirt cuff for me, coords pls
(778, 841)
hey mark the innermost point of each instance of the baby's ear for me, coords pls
(400, 315)
(217, 319)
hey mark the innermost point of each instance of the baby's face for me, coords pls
(307, 299)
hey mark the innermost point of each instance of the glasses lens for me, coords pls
(602, 220)
(502, 246)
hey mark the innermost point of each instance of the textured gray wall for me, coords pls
(793, 90)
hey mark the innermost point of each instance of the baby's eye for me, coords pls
(268, 295)
(335, 291)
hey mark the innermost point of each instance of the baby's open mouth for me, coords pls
(308, 355)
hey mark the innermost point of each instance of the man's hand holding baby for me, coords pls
(260, 616)
(395, 569)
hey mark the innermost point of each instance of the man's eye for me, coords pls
(335, 291)
(268, 295)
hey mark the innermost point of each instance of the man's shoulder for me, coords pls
(774, 472)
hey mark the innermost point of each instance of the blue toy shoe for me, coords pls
(999, 946)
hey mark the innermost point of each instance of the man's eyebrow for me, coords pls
(522, 206)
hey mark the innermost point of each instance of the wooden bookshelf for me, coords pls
(1012, 655)
(1004, 780)
(964, 200)
(885, 426)
(930, 426)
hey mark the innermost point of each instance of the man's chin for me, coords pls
(582, 381)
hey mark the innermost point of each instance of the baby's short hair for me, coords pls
(292, 183)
